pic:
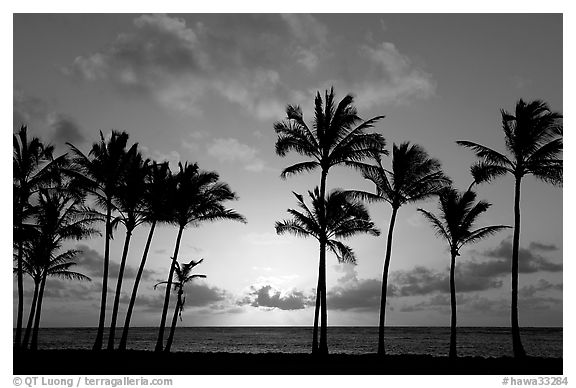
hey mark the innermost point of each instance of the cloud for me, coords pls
(422, 281)
(271, 298)
(542, 285)
(352, 293)
(528, 261)
(65, 130)
(198, 293)
(231, 151)
(393, 78)
(178, 64)
(536, 246)
(92, 264)
(37, 114)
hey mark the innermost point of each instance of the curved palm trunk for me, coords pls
(381, 348)
(319, 287)
(20, 281)
(100, 333)
(34, 343)
(118, 290)
(516, 342)
(160, 341)
(31, 316)
(174, 320)
(124, 338)
(323, 349)
(452, 353)
(316, 315)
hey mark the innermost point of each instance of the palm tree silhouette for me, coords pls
(414, 177)
(33, 168)
(60, 216)
(328, 220)
(101, 173)
(337, 137)
(183, 276)
(458, 215)
(534, 140)
(156, 209)
(197, 197)
(130, 203)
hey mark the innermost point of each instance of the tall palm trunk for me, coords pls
(20, 277)
(174, 320)
(160, 341)
(100, 333)
(320, 303)
(118, 290)
(31, 316)
(516, 342)
(381, 348)
(323, 349)
(34, 343)
(452, 353)
(316, 315)
(124, 338)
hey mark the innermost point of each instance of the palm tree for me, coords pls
(33, 168)
(414, 177)
(458, 215)
(130, 204)
(343, 218)
(197, 197)
(337, 137)
(60, 216)
(534, 141)
(156, 209)
(101, 173)
(183, 276)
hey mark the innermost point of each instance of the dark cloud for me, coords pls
(422, 280)
(65, 129)
(92, 262)
(267, 296)
(362, 294)
(542, 285)
(27, 109)
(536, 246)
(528, 261)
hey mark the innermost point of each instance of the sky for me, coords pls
(208, 88)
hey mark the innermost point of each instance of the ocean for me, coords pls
(472, 341)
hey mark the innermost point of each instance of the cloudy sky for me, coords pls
(208, 88)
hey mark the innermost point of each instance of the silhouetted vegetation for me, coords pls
(337, 137)
(458, 215)
(414, 177)
(56, 200)
(183, 276)
(533, 135)
(330, 219)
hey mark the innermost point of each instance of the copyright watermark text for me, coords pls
(83, 381)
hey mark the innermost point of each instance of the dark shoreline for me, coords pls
(135, 362)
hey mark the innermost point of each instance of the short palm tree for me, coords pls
(197, 197)
(60, 216)
(534, 141)
(183, 276)
(33, 168)
(337, 137)
(129, 201)
(101, 173)
(458, 215)
(156, 210)
(414, 177)
(343, 218)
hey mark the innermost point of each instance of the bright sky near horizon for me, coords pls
(207, 88)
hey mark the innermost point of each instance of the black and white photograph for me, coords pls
(293, 194)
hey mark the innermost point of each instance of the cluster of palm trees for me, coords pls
(338, 136)
(63, 198)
